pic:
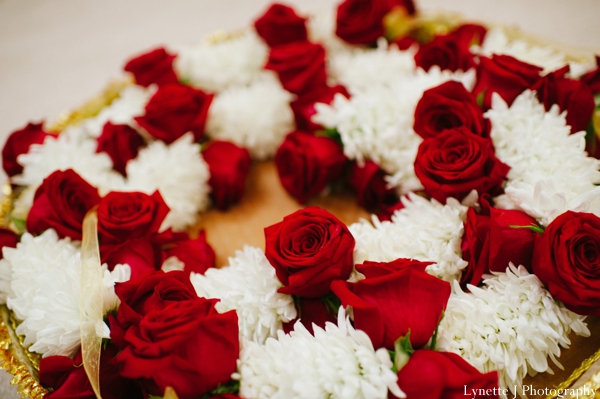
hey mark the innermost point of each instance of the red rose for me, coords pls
(175, 110)
(395, 298)
(280, 25)
(8, 238)
(455, 162)
(122, 144)
(60, 203)
(309, 249)
(68, 379)
(493, 238)
(447, 52)
(371, 188)
(124, 216)
(18, 143)
(155, 66)
(299, 65)
(153, 290)
(361, 21)
(504, 75)
(142, 255)
(196, 254)
(592, 78)
(186, 345)
(567, 259)
(304, 105)
(444, 375)
(229, 166)
(571, 95)
(449, 106)
(307, 163)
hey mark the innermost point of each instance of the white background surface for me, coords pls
(55, 54)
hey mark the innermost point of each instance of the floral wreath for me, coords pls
(476, 152)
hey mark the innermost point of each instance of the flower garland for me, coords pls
(481, 261)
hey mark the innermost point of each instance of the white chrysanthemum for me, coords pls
(256, 117)
(321, 29)
(423, 230)
(120, 274)
(511, 326)
(496, 42)
(337, 362)
(40, 282)
(179, 172)
(217, 66)
(249, 286)
(377, 123)
(361, 69)
(131, 103)
(70, 150)
(550, 170)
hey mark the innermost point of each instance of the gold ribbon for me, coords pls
(90, 300)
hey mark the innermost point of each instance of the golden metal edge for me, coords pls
(14, 361)
(577, 373)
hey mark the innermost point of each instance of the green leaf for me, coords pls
(330, 133)
(332, 303)
(533, 227)
(19, 224)
(402, 351)
(154, 397)
(479, 98)
(231, 386)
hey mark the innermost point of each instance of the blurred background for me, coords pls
(56, 54)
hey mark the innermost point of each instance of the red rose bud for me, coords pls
(155, 66)
(8, 238)
(470, 34)
(448, 106)
(299, 65)
(309, 249)
(304, 105)
(60, 203)
(185, 344)
(122, 144)
(371, 188)
(493, 238)
(455, 162)
(68, 379)
(394, 299)
(124, 216)
(18, 143)
(175, 110)
(196, 254)
(446, 51)
(281, 25)
(361, 21)
(567, 259)
(307, 163)
(504, 75)
(592, 78)
(444, 375)
(387, 211)
(312, 311)
(229, 166)
(570, 95)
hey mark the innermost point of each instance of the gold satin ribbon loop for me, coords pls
(90, 300)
